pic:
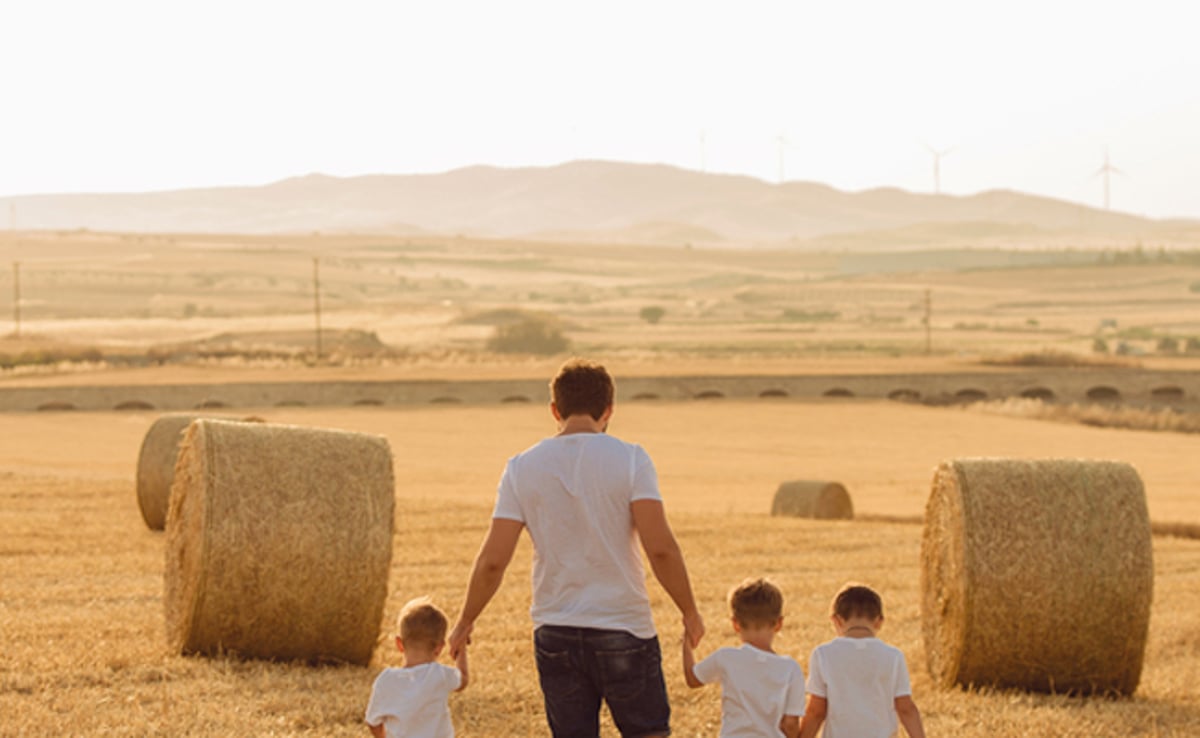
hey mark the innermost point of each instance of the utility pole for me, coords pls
(317, 301)
(928, 321)
(16, 299)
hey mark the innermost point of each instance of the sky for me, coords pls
(140, 95)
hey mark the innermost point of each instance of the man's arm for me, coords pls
(666, 561)
(910, 716)
(814, 716)
(486, 575)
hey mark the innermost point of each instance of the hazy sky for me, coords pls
(154, 94)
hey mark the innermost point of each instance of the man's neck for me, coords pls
(579, 423)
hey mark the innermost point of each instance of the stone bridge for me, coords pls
(1127, 385)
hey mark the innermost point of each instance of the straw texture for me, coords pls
(279, 542)
(812, 499)
(1037, 575)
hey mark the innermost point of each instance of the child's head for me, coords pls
(857, 602)
(421, 625)
(756, 603)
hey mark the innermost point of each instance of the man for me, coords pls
(587, 498)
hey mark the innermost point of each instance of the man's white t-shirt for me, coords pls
(573, 494)
(414, 702)
(861, 678)
(757, 689)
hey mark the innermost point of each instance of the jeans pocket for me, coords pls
(623, 672)
(557, 673)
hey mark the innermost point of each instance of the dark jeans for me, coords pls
(578, 667)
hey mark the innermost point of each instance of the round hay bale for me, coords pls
(1036, 575)
(156, 464)
(813, 499)
(279, 542)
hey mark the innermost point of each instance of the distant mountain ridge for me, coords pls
(593, 200)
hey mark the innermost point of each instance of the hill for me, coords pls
(594, 200)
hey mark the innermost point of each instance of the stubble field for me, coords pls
(82, 645)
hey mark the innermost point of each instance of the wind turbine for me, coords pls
(937, 167)
(1106, 170)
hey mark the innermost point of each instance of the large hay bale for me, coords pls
(1036, 575)
(813, 499)
(279, 541)
(156, 464)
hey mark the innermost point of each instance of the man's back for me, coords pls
(573, 493)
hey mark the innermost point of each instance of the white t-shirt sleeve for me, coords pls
(645, 477)
(453, 678)
(902, 686)
(816, 680)
(793, 703)
(375, 707)
(709, 669)
(507, 504)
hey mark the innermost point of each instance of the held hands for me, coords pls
(459, 638)
(693, 628)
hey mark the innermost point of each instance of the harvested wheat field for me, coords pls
(83, 647)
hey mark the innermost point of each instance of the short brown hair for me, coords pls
(756, 602)
(857, 600)
(582, 387)
(422, 623)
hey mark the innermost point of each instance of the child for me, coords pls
(857, 684)
(762, 693)
(412, 700)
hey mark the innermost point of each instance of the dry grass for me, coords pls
(1098, 415)
(82, 638)
(82, 648)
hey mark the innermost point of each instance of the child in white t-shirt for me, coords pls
(411, 701)
(762, 692)
(857, 684)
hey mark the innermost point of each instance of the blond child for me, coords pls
(857, 684)
(762, 692)
(411, 701)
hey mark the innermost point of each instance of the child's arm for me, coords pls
(689, 664)
(377, 730)
(790, 725)
(814, 716)
(910, 716)
(461, 662)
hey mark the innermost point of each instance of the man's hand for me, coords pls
(459, 638)
(693, 628)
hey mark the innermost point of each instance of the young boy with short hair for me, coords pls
(411, 701)
(857, 684)
(762, 692)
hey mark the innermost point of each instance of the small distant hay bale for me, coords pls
(709, 395)
(1170, 393)
(813, 499)
(1045, 394)
(970, 394)
(1036, 575)
(279, 542)
(838, 392)
(156, 464)
(904, 394)
(767, 393)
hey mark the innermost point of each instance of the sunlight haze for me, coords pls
(135, 95)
